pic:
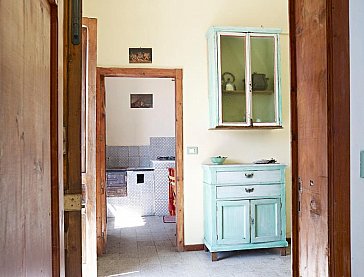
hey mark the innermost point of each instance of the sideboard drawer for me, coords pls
(224, 192)
(248, 177)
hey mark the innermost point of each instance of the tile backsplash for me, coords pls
(140, 156)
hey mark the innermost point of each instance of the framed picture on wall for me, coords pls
(140, 55)
(138, 101)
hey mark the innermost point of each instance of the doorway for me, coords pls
(101, 204)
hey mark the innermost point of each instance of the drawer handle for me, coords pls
(249, 175)
(249, 190)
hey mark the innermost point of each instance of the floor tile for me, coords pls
(150, 251)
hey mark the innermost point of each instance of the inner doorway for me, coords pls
(176, 76)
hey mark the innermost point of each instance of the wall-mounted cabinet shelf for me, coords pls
(244, 62)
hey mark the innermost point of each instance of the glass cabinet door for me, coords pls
(233, 103)
(244, 77)
(263, 79)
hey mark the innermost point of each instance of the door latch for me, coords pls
(76, 22)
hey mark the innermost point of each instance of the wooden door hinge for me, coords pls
(72, 202)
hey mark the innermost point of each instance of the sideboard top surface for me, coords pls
(245, 165)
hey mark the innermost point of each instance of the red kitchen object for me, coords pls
(172, 191)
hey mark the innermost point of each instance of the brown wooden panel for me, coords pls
(294, 144)
(84, 147)
(311, 58)
(25, 145)
(101, 217)
(339, 138)
(57, 137)
(179, 161)
(89, 228)
(320, 137)
(83, 99)
(72, 158)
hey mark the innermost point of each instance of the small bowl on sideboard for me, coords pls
(218, 160)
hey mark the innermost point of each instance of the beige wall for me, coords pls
(126, 126)
(176, 30)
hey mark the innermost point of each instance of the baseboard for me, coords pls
(194, 247)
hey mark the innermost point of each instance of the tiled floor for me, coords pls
(146, 247)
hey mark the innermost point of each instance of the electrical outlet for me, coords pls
(192, 150)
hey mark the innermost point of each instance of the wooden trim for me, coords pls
(72, 159)
(179, 160)
(294, 142)
(89, 232)
(194, 247)
(338, 90)
(100, 164)
(177, 74)
(138, 72)
(55, 211)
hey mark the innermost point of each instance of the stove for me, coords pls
(166, 158)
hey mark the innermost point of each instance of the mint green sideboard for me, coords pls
(244, 207)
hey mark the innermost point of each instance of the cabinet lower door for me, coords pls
(233, 222)
(266, 220)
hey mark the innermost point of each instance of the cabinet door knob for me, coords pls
(249, 190)
(249, 175)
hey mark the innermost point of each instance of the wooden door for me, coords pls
(29, 149)
(88, 147)
(320, 137)
(266, 220)
(72, 133)
(233, 222)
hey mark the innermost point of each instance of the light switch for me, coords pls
(361, 164)
(192, 150)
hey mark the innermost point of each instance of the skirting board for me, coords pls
(194, 247)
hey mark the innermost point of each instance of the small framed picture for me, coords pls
(138, 101)
(140, 55)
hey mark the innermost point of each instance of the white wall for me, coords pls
(176, 30)
(128, 127)
(356, 134)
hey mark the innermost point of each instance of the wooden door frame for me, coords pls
(56, 111)
(176, 74)
(89, 176)
(72, 132)
(338, 129)
(56, 180)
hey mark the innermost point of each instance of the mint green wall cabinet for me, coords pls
(244, 77)
(244, 207)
